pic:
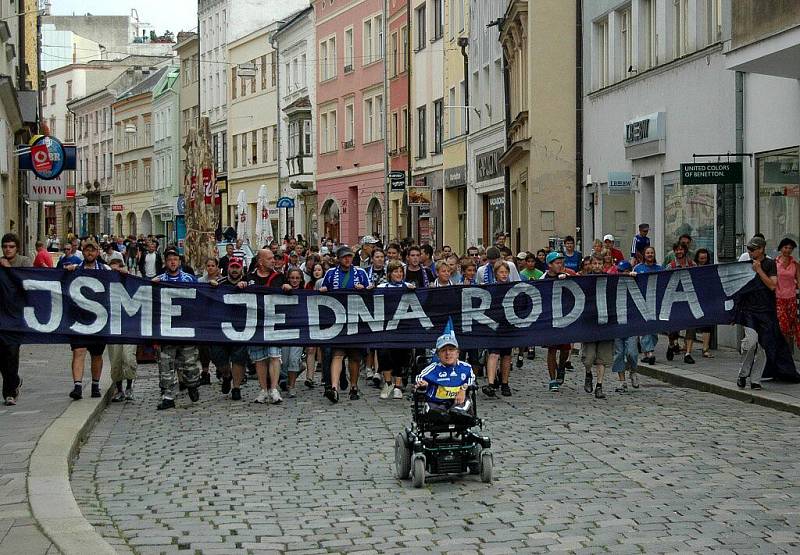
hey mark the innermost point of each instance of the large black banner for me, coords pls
(54, 306)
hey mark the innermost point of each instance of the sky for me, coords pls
(175, 15)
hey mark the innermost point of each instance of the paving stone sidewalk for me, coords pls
(46, 382)
(658, 469)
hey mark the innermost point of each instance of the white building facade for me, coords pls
(486, 141)
(297, 85)
(166, 153)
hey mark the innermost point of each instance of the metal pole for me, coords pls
(273, 40)
(386, 167)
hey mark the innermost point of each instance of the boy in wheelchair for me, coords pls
(444, 385)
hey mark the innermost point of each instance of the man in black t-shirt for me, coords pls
(415, 272)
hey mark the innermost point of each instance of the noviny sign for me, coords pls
(46, 189)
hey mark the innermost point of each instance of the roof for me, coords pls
(167, 82)
(144, 86)
(289, 21)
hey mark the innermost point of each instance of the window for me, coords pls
(349, 125)
(274, 143)
(372, 40)
(403, 48)
(601, 36)
(393, 130)
(52, 94)
(253, 78)
(307, 137)
(294, 138)
(273, 64)
(263, 72)
(135, 176)
(421, 21)
(53, 125)
(254, 147)
(147, 174)
(369, 120)
(303, 70)
(244, 149)
(233, 82)
(379, 116)
(295, 82)
(329, 135)
(235, 153)
(680, 24)
(323, 129)
(69, 90)
(366, 50)
(44, 96)
(648, 24)
(422, 149)
(438, 122)
(625, 42)
(288, 81)
(403, 129)
(460, 9)
(327, 59)
(453, 112)
(379, 34)
(438, 24)
(393, 54)
(348, 50)
(264, 144)
(778, 186)
(713, 21)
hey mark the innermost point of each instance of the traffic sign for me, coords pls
(285, 202)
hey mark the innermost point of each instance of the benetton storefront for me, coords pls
(778, 188)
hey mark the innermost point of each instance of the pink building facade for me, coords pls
(350, 119)
(398, 60)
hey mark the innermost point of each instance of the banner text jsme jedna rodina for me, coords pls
(53, 306)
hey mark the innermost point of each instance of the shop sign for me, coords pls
(47, 189)
(455, 177)
(497, 202)
(47, 157)
(397, 180)
(92, 209)
(487, 165)
(285, 202)
(714, 172)
(619, 183)
(782, 172)
(117, 208)
(419, 196)
(645, 136)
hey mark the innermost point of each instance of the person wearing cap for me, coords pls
(445, 382)
(557, 355)
(640, 242)
(344, 276)
(766, 352)
(608, 243)
(368, 243)
(486, 272)
(626, 349)
(91, 262)
(176, 359)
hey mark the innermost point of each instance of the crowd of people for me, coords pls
(291, 265)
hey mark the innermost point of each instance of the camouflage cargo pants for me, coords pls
(174, 361)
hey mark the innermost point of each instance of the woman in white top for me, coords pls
(391, 362)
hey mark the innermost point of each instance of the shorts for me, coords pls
(95, 349)
(598, 352)
(223, 354)
(501, 352)
(562, 347)
(290, 359)
(263, 352)
(393, 359)
(349, 352)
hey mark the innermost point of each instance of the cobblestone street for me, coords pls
(658, 469)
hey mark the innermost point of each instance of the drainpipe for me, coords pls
(506, 169)
(578, 123)
(386, 106)
(273, 40)
(740, 230)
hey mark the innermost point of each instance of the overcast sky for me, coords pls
(175, 15)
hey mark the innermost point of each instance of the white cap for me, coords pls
(609, 237)
(324, 250)
(445, 340)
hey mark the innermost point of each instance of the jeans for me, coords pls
(9, 367)
(649, 343)
(625, 350)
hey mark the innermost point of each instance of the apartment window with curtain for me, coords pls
(254, 147)
(625, 42)
(244, 149)
(438, 123)
(235, 153)
(349, 124)
(378, 26)
(294, 136)
(395, 129)
(263, 72)
(379, 109)
(307, 137)
(394, 53)
(303, 70)
(422, 147)
(323, 130)
(264, 144)
(421, 21)
(601, 35)
(233, 83)
(438, 23)
(367, 43)
(713, 21)
(680, 28)
(348, 50)
(403, 48)
(369, 120)
(403, 129)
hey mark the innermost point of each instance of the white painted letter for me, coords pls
(314, 305)
(271, 317)
(409, 308)
(471, 313)
(686, 295)
(142, 301)
(508, 305)
(250, 301)
(647, 308)
(100, 312)
(56, 307)
(170, 311)
(357, 311)
(559, 319)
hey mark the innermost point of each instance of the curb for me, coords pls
(710, 384)
(49, 492)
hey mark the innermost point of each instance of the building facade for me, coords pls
(351, 118)
(486, 209)
(538, 40)
(166, 153)
(427, 115)
(253, 126)
(398, 72)
(298, 95)
(133, 157)
(187, 50)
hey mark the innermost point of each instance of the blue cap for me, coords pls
(445, 340)
(624, 266)
(553, 256)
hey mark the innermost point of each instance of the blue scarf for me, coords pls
(425, 280)
(488, 274)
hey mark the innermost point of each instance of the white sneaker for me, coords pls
(635, 379)
(370, 373)
(10, 401)
(387, 390)
(275, 396)
(397, 393)
(262, 397)
(292, 393)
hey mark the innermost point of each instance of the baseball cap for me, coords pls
(756, 243)
(445, 340)
(369, 240)
(644, 226)
(171, 252)
(492, 253)
(235, 262)
(624, 266)
(90, 242)
(553, 256)
(608, 237)
(344, 250)
(522, 255)
(324, 250)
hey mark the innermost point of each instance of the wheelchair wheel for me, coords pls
(475, 466)
(418, 471)
(487, 465)
(402, 457)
